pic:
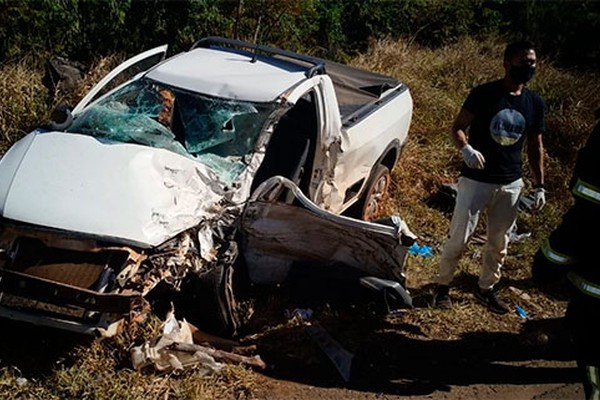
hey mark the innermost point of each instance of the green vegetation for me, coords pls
(84, 30)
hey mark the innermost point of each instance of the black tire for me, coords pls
(208, 302)
(369, 206)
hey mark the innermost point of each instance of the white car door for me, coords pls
(125, 71)
(277, 234)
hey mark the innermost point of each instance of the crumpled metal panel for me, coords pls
(276, 233)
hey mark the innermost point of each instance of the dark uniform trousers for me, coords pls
(572, 251)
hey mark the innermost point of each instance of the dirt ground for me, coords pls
(428, 371)
(414, 354)
(421, 353)
(499, 391)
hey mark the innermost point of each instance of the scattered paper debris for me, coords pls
(175, 350)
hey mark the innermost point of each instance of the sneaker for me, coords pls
(491, 300)
(441, 299)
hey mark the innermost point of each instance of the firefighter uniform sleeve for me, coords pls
(586, 174)
(557, 254)
(573, 244)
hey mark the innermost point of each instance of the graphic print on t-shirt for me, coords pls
(507, 126)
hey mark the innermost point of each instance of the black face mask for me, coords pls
(521, 73)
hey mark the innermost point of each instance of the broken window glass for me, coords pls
(216, 132)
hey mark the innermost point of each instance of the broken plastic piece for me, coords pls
(395, 295)
(424, 251)
(339, 356)
(520, 312)
(414, 249)
(302, 313)
(517, 237)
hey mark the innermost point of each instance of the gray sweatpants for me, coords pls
(501, 204)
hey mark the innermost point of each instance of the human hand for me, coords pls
(473, 158)
(539, 198)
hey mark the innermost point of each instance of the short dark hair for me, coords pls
(516, 47)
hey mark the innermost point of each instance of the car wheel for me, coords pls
(370, 204)
(209, 302)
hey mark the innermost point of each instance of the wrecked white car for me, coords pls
(157, 185)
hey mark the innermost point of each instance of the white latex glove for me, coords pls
(539, 198)
(473, 158)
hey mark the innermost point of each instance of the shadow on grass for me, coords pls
(36, 350)
(410, 366)
(389, 359)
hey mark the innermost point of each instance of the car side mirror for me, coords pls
(61, 118)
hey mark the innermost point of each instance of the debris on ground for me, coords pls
(303, 314)
(423, 251)
(339, 356)
(175, 350)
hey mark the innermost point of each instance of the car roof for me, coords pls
(229, 73)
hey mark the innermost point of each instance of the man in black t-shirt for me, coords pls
(500, 116)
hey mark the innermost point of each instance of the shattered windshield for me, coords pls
(216, 132)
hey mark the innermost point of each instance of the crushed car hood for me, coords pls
(113, 190)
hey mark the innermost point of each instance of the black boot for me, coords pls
(441, 298)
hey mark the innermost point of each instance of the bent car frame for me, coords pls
(173, 172)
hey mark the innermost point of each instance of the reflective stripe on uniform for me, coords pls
(586, 191)
(594, 380)
(555, 256)
(587, 287)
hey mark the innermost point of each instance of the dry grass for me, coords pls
(96, 369)
(23, 96)
(439, 80)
